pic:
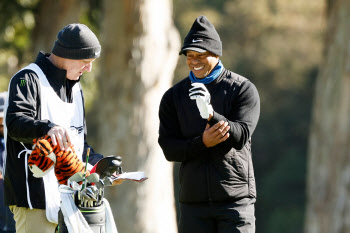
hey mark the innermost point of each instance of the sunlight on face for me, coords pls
(76, 68)
(201, 64)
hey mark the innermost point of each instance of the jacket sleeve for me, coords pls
(23, 112)
(174, 145)
(244, 116)
(93, 156)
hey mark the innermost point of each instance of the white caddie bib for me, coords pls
(67, 115)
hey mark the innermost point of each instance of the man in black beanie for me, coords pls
(206, 123)
(46, 98)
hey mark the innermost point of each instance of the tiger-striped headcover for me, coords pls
(43, 158)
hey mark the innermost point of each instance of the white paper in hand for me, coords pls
(135, 176)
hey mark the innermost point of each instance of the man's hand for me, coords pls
(216, 134)
(202, 96)
(60, 135)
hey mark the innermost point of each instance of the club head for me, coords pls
(75, 185)
(88, 194)
(108, 165)
(94, 189)
(107, 181)
(100, 184)
(77, 177)
(93, 178)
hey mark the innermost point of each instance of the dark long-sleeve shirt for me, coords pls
(221, 172)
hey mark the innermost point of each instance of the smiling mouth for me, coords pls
(198, 68)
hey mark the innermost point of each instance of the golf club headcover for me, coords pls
(107, 166)
(200, 93)
(45, 156)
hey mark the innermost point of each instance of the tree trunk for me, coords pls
(139, 53)
(52, 17)
(328, 208)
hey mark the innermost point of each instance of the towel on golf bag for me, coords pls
(45, 156)
(74, 219)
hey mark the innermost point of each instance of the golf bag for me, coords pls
(95, 211)
(89, 200)
(94, 216)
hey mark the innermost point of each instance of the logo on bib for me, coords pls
(22, 83)
(78, 130)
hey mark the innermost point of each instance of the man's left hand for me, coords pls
(216, 134)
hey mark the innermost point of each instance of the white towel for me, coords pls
(73, 218)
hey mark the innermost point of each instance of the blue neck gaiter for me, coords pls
(211, 77)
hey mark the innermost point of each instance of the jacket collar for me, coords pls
(219, 78)
(55, 76)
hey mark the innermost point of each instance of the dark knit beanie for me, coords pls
(202, 37)
(76, 41)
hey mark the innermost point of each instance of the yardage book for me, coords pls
(135, 176)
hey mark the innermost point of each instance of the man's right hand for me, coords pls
(215, 134)
(60, 136)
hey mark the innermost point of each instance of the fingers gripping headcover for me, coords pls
(45, 156)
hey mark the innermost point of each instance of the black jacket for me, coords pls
(24, 124)
(221, 173)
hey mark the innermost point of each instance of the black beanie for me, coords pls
(78, 42)
(202, 37)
